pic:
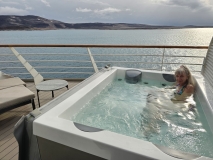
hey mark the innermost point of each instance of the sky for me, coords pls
(151, 12)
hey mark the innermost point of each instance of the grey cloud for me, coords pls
(107, 10)
(28, 7)
(192, 4)
(9, 2)
(99, 11)
(95, 2)
(12, 11)
(46, 3)
(83, 10)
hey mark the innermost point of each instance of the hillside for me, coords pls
(30, 22)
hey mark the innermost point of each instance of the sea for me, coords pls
(75, 62)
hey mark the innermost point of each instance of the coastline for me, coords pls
(48, 29)
(30, 23)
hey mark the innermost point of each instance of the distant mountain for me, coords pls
(30, 22)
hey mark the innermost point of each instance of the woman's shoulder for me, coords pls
(189, 88)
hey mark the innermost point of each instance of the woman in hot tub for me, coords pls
(164, 103)
(184, 84)
(181, 92)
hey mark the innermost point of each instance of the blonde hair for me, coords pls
(184, 70)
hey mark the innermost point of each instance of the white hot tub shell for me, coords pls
(54, 125)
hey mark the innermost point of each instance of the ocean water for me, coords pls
(195, 37)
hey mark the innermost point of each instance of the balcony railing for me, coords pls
(56, 61)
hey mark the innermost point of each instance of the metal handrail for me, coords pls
(41, 54)
(101, 46)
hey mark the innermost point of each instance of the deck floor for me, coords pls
(8, 143)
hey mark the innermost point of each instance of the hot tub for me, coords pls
(60, 137)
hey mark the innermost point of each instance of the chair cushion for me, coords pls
(10, 82)
(14, 95)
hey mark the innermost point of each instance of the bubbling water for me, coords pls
(146, 112)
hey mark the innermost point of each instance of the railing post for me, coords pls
(162, 59)
(93, 61)
(36, 76)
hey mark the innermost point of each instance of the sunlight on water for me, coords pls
(131, 109)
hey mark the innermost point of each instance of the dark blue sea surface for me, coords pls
(192, 37)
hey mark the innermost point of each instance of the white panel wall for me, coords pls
(207, 70)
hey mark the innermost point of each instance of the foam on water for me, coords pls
(129, 109)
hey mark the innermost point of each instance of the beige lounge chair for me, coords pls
(13, 93)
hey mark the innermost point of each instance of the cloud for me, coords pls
(83, 10)
(95, 2)
(12, 11)
(107, 10)
(192, 4)
(102, 11)
(46, 3)
(28, 7)
(9, 3)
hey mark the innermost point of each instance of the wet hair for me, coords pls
(184, 70)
